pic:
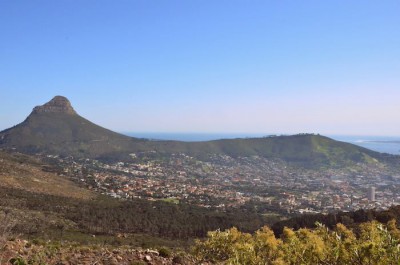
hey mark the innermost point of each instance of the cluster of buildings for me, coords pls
(221, 181)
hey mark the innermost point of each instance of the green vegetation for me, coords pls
(165, 252)
(350, 219)
(171, 200)
(373, 243)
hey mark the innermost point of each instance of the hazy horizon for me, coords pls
(261, 134)
(231, 133)
(206, 66)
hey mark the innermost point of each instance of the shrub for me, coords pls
(179, 259)
(165, 252)
(374, 244)
(18, 261)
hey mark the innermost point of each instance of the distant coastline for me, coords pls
(383, 144)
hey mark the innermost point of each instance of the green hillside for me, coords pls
(305, 149)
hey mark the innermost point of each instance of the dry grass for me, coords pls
(6, 225)
(26, 173)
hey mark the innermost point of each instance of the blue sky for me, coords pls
(330, 67)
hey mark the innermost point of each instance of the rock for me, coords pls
(113, 260)
(154, 252)
(58, 104)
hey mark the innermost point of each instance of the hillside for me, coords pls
(40, 203)
(303, 149)
(56, 128)
(25, 173)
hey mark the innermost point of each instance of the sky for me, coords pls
(221, 66)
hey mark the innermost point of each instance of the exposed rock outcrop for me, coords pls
(58, 104)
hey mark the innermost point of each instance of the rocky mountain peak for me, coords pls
(58, 104)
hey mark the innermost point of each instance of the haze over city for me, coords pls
(206, 66)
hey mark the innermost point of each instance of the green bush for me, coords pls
(18, 261)
(165, 252)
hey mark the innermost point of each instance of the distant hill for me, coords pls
(56, 128)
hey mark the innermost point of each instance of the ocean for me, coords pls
(383, 144)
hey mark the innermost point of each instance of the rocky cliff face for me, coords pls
(58, 104)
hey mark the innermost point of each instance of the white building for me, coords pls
(371, 194)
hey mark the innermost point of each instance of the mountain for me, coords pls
(56, 128)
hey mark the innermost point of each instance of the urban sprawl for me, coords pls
(222, 182)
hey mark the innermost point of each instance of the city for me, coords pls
(222, 182)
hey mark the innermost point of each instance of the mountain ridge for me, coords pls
(57, 128)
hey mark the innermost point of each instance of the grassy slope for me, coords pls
(26, 173)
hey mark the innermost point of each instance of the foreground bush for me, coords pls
(374, 243)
